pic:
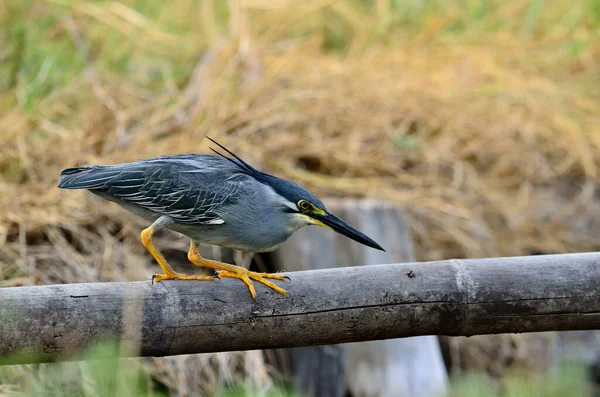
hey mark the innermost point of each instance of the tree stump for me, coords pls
(410, 367)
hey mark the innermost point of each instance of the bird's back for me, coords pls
(178, 167)
(190, 188)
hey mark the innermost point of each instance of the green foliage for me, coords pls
(50, 43)
(473, 385)
(407, 143)
(242, 390)
(564, 381)
(102, 374)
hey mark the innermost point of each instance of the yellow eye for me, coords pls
(304, 205)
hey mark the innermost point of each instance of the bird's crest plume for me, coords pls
(235, 160)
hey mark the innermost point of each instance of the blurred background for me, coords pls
(479, 119)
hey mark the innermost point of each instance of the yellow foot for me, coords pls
(245, 275)
(178, 276)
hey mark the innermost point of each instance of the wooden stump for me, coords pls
(408, 367)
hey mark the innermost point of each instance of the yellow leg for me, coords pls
(226, 270)
(170, 274)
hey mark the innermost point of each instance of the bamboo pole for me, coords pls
(452, 297)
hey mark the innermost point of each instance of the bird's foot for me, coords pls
(179, 276)
(245, 275)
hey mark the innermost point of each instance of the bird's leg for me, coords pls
(170, 274)
(227, 270)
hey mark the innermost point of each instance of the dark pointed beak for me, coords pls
(338, 225)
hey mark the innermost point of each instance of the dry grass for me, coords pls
(481, 118)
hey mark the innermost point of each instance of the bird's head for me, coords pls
(304, 208)
(299, 206)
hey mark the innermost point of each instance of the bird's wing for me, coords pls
(188, 195)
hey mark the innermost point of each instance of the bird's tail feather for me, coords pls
(90, 177)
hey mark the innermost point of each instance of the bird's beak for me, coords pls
(327, 219)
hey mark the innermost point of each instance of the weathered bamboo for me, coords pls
(453, 297)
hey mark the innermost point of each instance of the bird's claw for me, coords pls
(247, 276)
(217, 273)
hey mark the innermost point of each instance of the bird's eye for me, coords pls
(304, 205)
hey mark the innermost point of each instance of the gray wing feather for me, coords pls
(187, 190)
